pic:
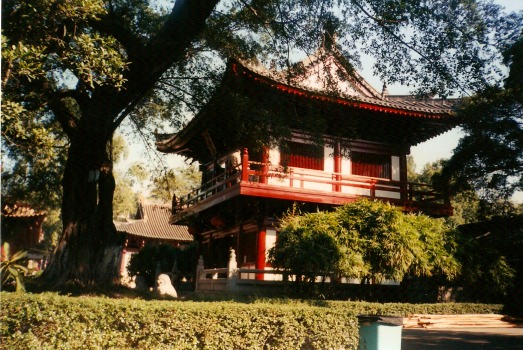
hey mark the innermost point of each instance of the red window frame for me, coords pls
(371, 165)
(303, 155)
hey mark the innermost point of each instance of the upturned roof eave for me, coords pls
(349, 101)
(176, 142)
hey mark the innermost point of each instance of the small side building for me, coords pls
(22, 229)
(151, 225)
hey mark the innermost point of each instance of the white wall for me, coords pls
(395, 162)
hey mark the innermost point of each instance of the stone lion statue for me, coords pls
(165, 288)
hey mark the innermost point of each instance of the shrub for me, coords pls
(307, 247)
(370, 240)
(181, 259)
(12, 268)
(50, 321)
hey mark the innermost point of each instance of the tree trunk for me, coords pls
(89, 250)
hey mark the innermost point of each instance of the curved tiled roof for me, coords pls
(359, 93)
(154, 223)
(346, 101)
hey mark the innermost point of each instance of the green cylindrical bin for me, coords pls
(380, 332)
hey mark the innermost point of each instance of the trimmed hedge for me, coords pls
(50, 321)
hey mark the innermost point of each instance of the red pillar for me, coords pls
(265, 165)
(245, 165)
(337, 166)
(403, 177)
(260, 254)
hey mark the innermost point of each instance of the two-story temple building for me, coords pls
(343, 140)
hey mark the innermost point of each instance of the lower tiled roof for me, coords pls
(21, 211)
(155, 224)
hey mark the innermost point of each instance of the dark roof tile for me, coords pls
(155, 224)
(21, 211)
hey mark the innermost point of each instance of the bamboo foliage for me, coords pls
(368, 240)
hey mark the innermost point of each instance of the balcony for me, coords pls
(264, 180)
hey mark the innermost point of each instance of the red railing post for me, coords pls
(245, 165)
(265, 166)
(337, 168)
(373, 189)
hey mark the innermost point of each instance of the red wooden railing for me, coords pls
(409, 194)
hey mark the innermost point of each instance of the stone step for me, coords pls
(456, 321)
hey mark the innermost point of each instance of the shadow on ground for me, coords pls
(462, 339)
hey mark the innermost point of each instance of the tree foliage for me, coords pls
(489, 158)
(412, 176)
(126, 194)
(468, 205)
(175, 182)
(308, 248)
(368, 240)
(490, 264)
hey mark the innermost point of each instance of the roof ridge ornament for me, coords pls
(384, 92)
(330, 36)
(328, 41)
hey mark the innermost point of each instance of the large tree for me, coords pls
(87, 65)
(175, 183)
(468, 205)
(489, 158)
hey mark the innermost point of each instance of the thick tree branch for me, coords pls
(64, 115)
(186, 21)
(184, 24)
(111, 25)
(126, 111)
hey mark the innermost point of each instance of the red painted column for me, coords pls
(337, 166)
(403, 177)
(265, 166)
(260, 253)
(245, 165)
